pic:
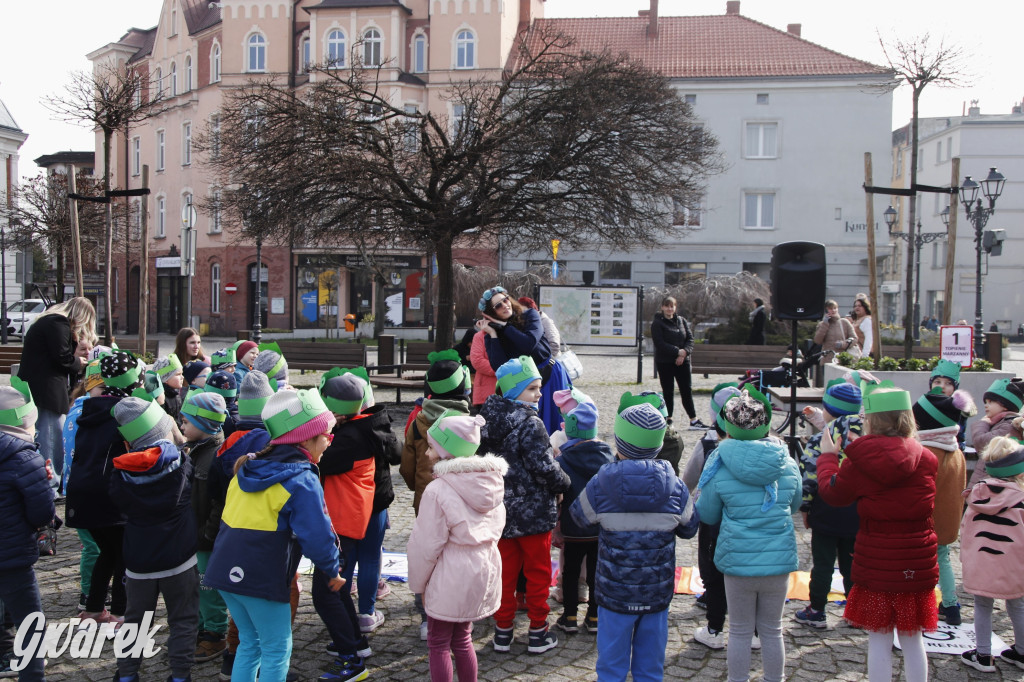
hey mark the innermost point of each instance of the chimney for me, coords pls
(732, 7)
(652, 27)
(793, 29)
(974, 109)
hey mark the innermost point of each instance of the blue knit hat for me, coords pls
(639, 432)
(841, 398)
(192, 370)
(581, 424)
(205, 411)
(224, 384)
(515, 375)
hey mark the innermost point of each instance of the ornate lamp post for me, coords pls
(919, 239)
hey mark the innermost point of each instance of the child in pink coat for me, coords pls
(453, 548)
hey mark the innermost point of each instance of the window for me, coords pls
(411, 139)
(372, 42)
(690, 99)
(158, 78)
(161, 149)
(762, 98)
(684, 214)
(137, 97)
(336, 50)
(136, 155)
(419, 54)
(257, 53)
(161, 217)
(899, 162)
(215, 64)
(465, 50)
(187, 85)
(462, 122)
(215, 217)
(304, 56)
(174, 79)
(759, 210)
(186, 143)
(174, 21)
(215, 135)
(938, 152)
(615, 272)
(762, 140)
(215, 288)
(136, 218)
(949, 148)
(678, 273)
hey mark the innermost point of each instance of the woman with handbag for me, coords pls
(673, 343)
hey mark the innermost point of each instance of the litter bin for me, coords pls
(350, 322)
(994, 349)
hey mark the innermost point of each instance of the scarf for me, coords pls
(754, 312)
(942, 438)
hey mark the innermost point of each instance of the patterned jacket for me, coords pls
(640, 507)
(533, 481)
(821, 516)
(992, 539)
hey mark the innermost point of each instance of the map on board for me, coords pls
(592, 316)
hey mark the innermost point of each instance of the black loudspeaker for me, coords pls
(798, 281)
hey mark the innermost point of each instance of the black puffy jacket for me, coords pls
(669, 337)
(26, 502)
(97, 443)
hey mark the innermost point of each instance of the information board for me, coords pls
(592, 316)
(956, 344)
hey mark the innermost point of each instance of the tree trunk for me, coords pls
(59, 294)
(108, 244)
(379, 305)
(445, 337)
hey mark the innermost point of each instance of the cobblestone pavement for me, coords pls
(838, 653)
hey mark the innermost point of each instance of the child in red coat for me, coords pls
(892, 479)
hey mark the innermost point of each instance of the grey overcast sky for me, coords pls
(35, 62)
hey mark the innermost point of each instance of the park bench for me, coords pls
(735, 359)
(310, 355)
(409, 373)
(9, 355)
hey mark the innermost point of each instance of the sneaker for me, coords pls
(81, 601)
(226, 664)
(978, 661)
(709, 638)
(332, 649)
(567, 624)
(755, 642)
(702, 602)
(1011, 656)
(583, 594)
(368, 622)
(210, 646)
(103, 616)
(541, 640)
(950, 614)
(698, 425)
(363, 649)
(503, 638)
(423, 631)
(383, 589)
(350, 668)
(556, 593)
(590, 623)
(172, 678)
(811, 617)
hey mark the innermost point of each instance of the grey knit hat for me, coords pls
(274, 366)
(345, 394)
(253, 395)
(141, 422)
(18, 411)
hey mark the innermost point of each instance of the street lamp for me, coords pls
(257, 317)
(920, 239)
(978, 215)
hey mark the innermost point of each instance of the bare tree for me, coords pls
(919, 62)
(39, 212)
(111, 98)
(588, 148)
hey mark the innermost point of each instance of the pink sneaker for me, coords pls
(103, 616)
(383, 589)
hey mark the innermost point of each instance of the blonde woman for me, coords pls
(48, 364)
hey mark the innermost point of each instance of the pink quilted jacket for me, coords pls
(992, 539)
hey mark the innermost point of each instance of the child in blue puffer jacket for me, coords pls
(752, 487)
(635, 567)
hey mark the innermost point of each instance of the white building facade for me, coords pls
(12, 137)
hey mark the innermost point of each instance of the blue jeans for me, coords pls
(264, 637)
(631, 643)
(367, 555)
(49, 427)
(19, 593)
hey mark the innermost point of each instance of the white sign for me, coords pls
(168, 262)
(953, 639)
(277, 306)
(189, 216)
(956, 344)
(592, 316)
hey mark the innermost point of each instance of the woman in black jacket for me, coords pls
(673, 343)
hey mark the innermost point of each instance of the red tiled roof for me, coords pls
(200, 14)
(723, 46)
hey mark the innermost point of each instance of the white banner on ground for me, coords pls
(954, 639)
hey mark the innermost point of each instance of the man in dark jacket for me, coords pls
(757, 321)
(26, 505)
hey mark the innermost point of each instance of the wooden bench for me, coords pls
(734, 359)
(409, 374)
(306, 355)
(9, 355)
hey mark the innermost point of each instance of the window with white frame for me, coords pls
(372, 44)
(174, 79)
(215, 135)
(215, 288)
(680, 273)
(187, 85)
(762, 98)
(256, 54)
(136, 155)
(305, 55)
(336, 49)
(161, 149)
(215, 63)
(938, 152)
(762, 140)
(158, 80)
(137, 97)
(215, 216)
(161, 217)
(690, 99)
(419, 54)
(136, 218)
(615, 272)
(458, 113)
(186, 143)
(412, 130)
(685, 214)
(759, 210)
(465, 50)
(174, 22)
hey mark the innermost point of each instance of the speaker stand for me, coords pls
(794, 450)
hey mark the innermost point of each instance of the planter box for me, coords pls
(975, 383)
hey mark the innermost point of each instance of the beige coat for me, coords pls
(453, 548)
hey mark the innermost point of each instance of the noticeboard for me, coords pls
(592, 316)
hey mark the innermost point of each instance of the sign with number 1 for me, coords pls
(956, 344)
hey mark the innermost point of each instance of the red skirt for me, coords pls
(905, 612)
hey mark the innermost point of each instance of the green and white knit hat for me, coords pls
(141, 422)
(18, 413)
(447, 375)
(347, 391)
(515, 375)
(253, 395)
(167, 366)
(295, 416)
(455, 434)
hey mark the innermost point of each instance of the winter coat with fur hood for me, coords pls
(453, 548)
(992, 539)
(533, 481)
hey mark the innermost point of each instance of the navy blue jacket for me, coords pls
(581, 462)
(26, 502)
(640, 506)
(97, 443)
(160, 531)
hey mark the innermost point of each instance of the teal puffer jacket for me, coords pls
(757, 536)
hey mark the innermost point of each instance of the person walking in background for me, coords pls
(673, 344)
(758, 319)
